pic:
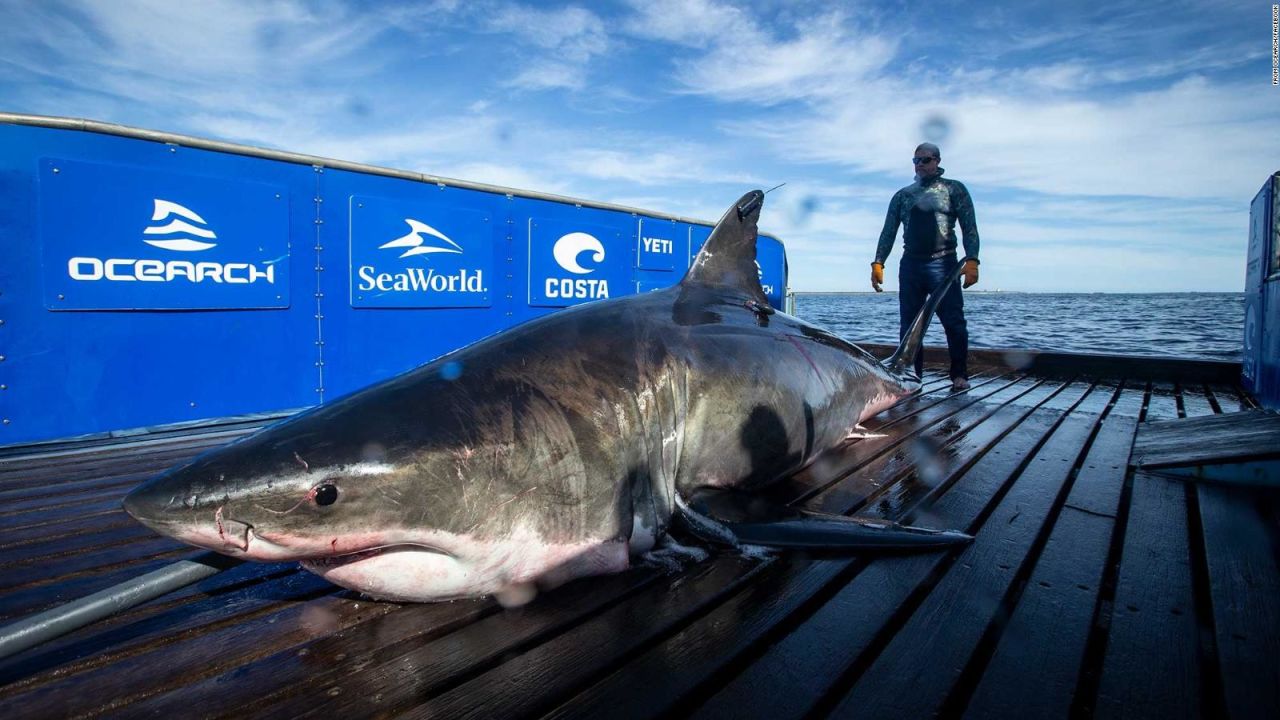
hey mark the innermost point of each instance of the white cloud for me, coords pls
(549, 75)
(655, 167)
(853, 102)
(567, 38)
(745, 61)
(1193, 139)
(688, 22)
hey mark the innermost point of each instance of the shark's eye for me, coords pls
(326, 494)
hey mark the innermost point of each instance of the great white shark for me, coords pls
(563, 447)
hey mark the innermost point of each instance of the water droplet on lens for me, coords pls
(516, 595)
(373, 452)
(935, 129)
(451, 370)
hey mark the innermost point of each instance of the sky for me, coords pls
(1108, 147)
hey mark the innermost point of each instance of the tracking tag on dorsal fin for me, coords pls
(728, 258)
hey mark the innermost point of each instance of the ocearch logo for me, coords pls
(178, 226)
(417, 279)
(174, 235)
(768, 289)
(568, 252)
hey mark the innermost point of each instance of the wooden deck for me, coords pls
(1092, 590)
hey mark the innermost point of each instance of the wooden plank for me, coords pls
(59, 490)
(88, 562)
(1244, 582)
(39, 516)
(231, 640)
(919, 668)
(1047, 633)
(1215, 438)
(1228, 398)
(128, 442)
(1239, 533)
(836, 466)
(239, 592)
(892, 479)
(1194, 406)
(50, 553)
(811, 658)
(537, 680)
(917, 414)
(21, 472)
(61, 502)
(82, 524)
(1151, 661)
(394, 664)
(15, 603)
(647, 686)
(1132, 402)
(979, 384)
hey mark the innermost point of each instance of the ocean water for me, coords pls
(1188, 325)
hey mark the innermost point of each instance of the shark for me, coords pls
(568, 446)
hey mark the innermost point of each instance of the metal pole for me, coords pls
(47, 625)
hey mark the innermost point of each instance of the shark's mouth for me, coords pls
(332, 561)
(329, 562)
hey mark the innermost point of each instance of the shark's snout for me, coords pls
(159, 506)
(148, 504)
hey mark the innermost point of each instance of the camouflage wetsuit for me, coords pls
(928, 210)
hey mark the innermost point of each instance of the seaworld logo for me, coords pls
(414, 241)
(175, 235)
(566, 252)
(420, 279)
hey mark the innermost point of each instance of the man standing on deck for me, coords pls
(928, 210)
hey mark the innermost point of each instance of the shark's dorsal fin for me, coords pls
(727, 260)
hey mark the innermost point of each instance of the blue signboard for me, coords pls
(116, 237)
(307, 280)
(573, 262)
(698, 235)
(644, 286)
(407, 254)
(771, 264)
(657, 245)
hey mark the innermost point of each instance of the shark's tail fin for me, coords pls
(902, 361)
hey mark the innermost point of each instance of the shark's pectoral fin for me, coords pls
(756, 521)
(860, 433)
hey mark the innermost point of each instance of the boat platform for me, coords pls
(1094, 588)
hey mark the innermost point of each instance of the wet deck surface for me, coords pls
(1092, 589)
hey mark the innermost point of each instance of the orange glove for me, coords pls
(877, 276)
(970, 273)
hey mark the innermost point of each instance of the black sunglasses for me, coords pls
(922, 161)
